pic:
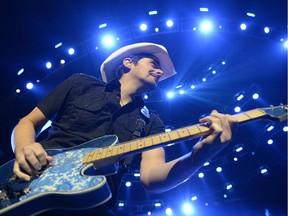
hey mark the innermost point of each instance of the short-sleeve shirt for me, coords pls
(82, 108)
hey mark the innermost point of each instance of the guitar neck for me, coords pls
(113, 153)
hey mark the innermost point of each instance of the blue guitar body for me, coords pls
(66, 183)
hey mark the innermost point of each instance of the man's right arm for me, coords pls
(30, 156)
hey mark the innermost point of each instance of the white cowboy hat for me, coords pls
(114, 60)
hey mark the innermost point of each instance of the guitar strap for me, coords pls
(141, 122)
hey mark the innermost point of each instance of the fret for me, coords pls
(164, 137)
(156, 140)
(94, 156)
(115, 150)
(183, 132)
(148, 141)
(120, 149)
(103, 155)
(252, 114)
(133, 145)
(127, 147)
(174, 135)
(109, 151)
(140, 143)
(99, 154)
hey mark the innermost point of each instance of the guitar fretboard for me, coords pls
(162, 139)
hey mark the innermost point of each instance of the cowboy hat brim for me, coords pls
(115, 59)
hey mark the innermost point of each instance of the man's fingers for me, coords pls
(19, 174)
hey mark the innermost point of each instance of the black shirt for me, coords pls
(83, 108)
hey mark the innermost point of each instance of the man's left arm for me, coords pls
(158, 176)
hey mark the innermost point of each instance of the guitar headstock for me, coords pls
(278, 113)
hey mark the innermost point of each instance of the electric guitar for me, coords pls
(75, 179)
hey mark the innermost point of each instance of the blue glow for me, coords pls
(194, 198)
(58, 45)
(48, 65)
(102, 25)
(20, 71)
(286, 44)
(170, 94)
(219, 169)
(237, 109)
(153, 12)
(243, 26)
(143, 27)
(240, 97)
(169, 23)
(270, 142)
(29, 85)
(239, 149)
(108, 41)
(229, 186)
(250, 14)
(71, 51)
(187, 209)
(203, 9)
(266, 30)
(255, 96)
(168, 211)
(206, 26)
(128, 184)
(201, 175)
(181, 92)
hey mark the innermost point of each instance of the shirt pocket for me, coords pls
(84, 114)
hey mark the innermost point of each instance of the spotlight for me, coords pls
(206, 26)
(145, 97)
(228, 186)
(270, 142)
(58, 45)
(18, 91)
(285, 128)
(170, 94)
(62, 61)
(168, 211)
(201, 175)
(269, 127)
(48, 65)
(263, 170)
(219, 169)
(169, 23)
(187, 209)
(29, 85)
(108, 40)
(194, 198)
(20, 71)
(250, 14)
(71, 51)
(128, 184)
(102, 25)
(237, 109)
(266, 30)
(153, 12)
(143, 27)
(243, 26)
(255, 96)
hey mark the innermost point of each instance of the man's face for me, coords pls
(147, 71)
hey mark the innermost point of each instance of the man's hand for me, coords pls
(29, 160)
(221, 131)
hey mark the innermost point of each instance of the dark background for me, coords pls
(254, 61)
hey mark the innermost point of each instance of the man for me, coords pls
(83, 108)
